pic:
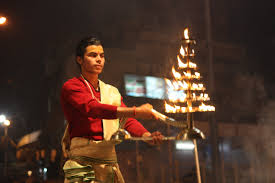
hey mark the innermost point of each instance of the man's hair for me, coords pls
(81, 46)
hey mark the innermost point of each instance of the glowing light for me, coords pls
(2, 118)
(183, 85)
(176, 74)
(186, 145)
(204, 107)
(181, 64)
(186, 33)
(182, 52)
(192, 65)
(197, 75)
(3, 20)
(7, 122)
(170, 109)
(29, 173)
(188, 75)
(175, 85)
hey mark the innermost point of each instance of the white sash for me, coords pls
(109, 95)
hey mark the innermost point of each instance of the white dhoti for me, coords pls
(92, 161)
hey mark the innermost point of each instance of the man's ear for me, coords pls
(79, 60)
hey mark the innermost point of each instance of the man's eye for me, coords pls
(102, 55)
(93, 55)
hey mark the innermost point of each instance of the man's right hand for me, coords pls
(142, 112)
(145, 112)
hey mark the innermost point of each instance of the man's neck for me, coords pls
(91, 78)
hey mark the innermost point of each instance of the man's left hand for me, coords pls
(157, 138)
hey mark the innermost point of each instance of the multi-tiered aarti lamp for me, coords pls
(186, 94)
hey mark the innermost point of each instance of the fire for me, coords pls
(192, 65)
(187, 74)
(174, 109)
(183, 85)
(197, 75)
(204, 107)
(182, 52)
(186, 33)
(175, 85)
(176, 74)
(181, 64)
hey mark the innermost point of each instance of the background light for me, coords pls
(3, 20)
(29, 173)
(45, 170)
(186, 145)
(2, 118)
(7, 122)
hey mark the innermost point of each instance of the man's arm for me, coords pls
(77, 95)
(136, 129)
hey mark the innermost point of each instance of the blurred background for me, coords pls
(234, 53)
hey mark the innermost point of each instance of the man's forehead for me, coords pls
(94, 48)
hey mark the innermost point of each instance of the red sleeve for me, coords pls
(134, 127)
(76, 94)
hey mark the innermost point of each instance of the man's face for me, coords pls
(93, 59)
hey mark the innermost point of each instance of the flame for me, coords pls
(183, 85)
(186, 33)
(169, 108)
(182, 52)
(200, 86)
(197, 74)
(204, 107)
(175, 85)
(181, 64)
(194, 86)
(187, 74)
(192, 65)
(176, 74)
(174, 109)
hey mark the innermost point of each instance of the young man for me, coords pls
(93, 109)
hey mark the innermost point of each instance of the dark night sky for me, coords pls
(34, 25)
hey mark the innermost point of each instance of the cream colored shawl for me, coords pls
(109, 95)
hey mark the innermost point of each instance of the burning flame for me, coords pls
(183, 85)
(174, 109)
(182, 52)
(176, 74)
(186, 33)
(197, 75)
(192, 65)
(181, 64)
(187, 74)
(204, 107)
(178, 109)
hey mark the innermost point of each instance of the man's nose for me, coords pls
(98, 59)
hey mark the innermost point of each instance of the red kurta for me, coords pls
(85, 114)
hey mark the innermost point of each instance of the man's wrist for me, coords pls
(146, 134)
